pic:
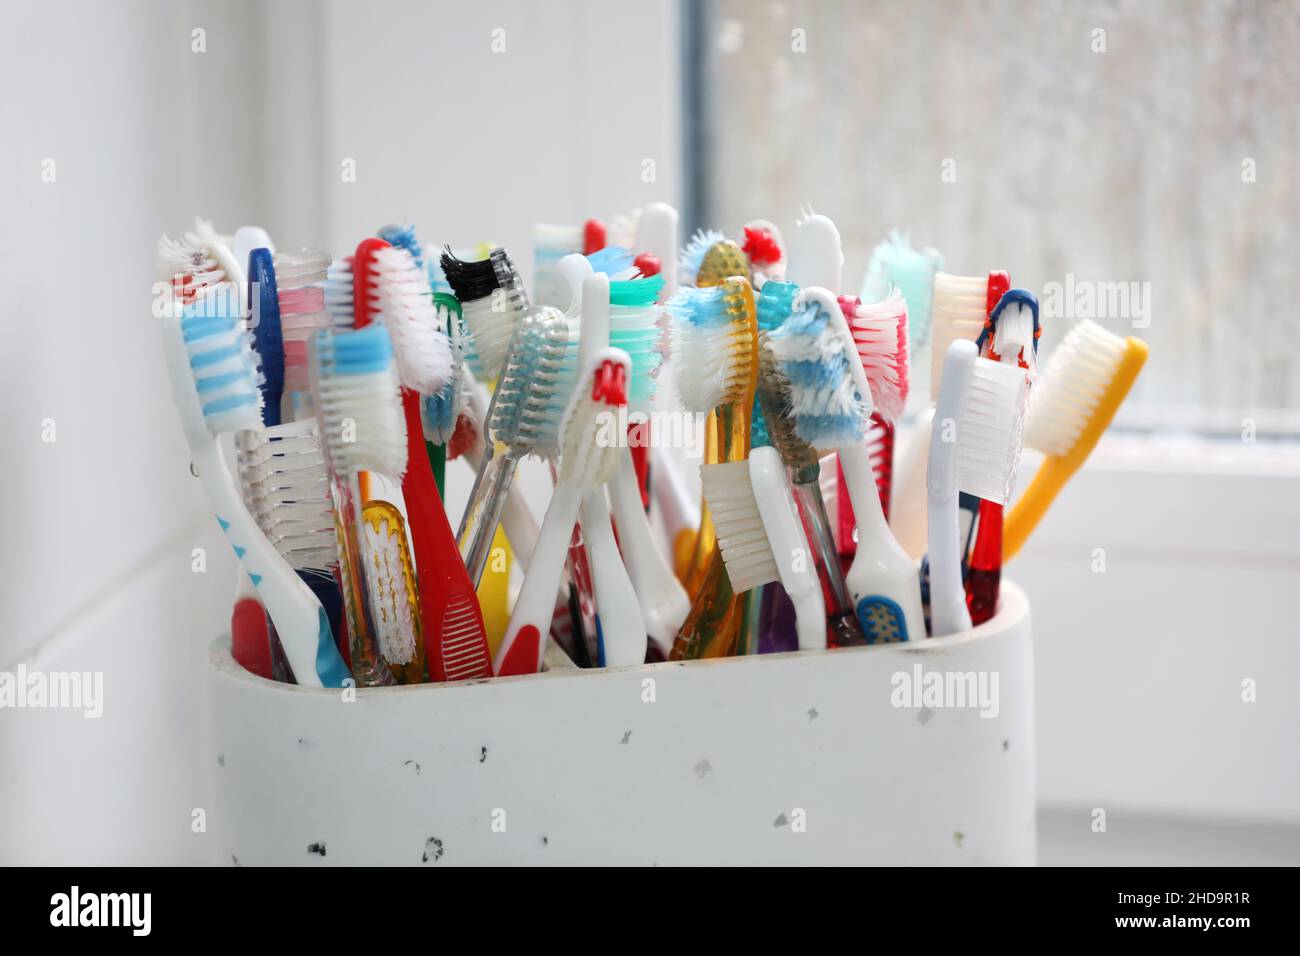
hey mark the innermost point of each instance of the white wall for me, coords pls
(464, 143)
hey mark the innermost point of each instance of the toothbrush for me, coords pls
(523, 415)
(715, 343)
(442, 410)
(1010, 336)
(398, 294)
(552, 243)
(765, 250)
(832, 406)
(491, 310)
(1082, 387)
(880, 330)
(974, 447)
(656, 235)
(622, 630)
(215, 387)
(896, 265)
(355, 390)
(586, 464)
(392, 592)
(634, 328)
(784, 356)
(680, 514)
(301, 299)
(761, 537)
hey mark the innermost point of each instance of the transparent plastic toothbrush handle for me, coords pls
(483, 513)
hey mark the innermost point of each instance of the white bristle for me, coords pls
(339, 293)
(1072, 383)
(1014, 334)
(959, 310)
(361, 419)
(180, 260)
(991, 430)
(404, 302)
(285, 485)
(880, 332)
(492, 321)
(390, 601)
(713, 358)
(560, 239)
(622, 228)
(741, 536)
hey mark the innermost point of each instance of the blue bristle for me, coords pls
(702, 308)
(895, 263)
(403, 237)
(827, 408)
(611, 260)
(226, 376)
(439, 411)
(362, 352)
(775, 302)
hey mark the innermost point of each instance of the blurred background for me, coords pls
(1117, 142)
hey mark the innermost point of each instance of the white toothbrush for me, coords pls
(975, 448)
(656, 233)
(761, 537)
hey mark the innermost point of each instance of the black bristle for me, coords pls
(470, 281)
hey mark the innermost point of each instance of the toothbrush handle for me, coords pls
(368, 664)
(813, 507)
(521, 650)
(456, 645)
(520, 525)
(483, 513)
(298, 616)
(622, 628)
(1022, 517)
(664, 602)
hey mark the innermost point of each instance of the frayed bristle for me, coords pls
(189, 267)
(358, 401)
(400, 294)
(991, 430)
(814, 357)
(300, 278)
(286, 488)
(896, 265)
(741, 536)
(390, 582)
(960, 308)
(713, 331)
(492, 303)
(779, 425)
(693, 254)
(403, 237)
(469, 280)
(761, 247)
(530, 399)
(880, 332)
(222, 360)
(612, 260)
(1073, 382)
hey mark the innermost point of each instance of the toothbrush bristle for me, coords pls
(403, 237)
(189, 267)
(390, 583)
(490, 309)
(761, 247)
(775, 303)
(286, 488)
(991, 430)
(1072, 384)
(404, 302)
(588, 461)
(358, 401)
(960, 306)
(880, 332)
(895, 264)
(222, 360)
(299, 280)
(531, 396)
(612, 260)
(556, 241)
(634, 327)
(339, 295)
(742, 538)
(721, 261)
(779, 423)
(814, 359)
(713, 343)
(692, 256)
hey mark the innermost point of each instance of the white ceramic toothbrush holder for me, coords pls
(851, 756)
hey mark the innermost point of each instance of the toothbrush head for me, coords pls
(286, 488)
(1014, 324)
(532, 394)
(692, 257)
(1081, 388)
(762, 246)
(391, 589)
(896, 265)
(403, 237)
(189, 267)
(778, 421)
(299, 277)
(611, 260)
(741, 536)
(714, 337)
(816, 256)
(960, 307)
(775, 303)
(338, 293)
(222, 362)
(441, 410)
(829, 398)
(491, 311)
(400, 298)
(723, 260)
(357, 395)
(991, 430)
(635, 328)
(587, 462)
(880, 332)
